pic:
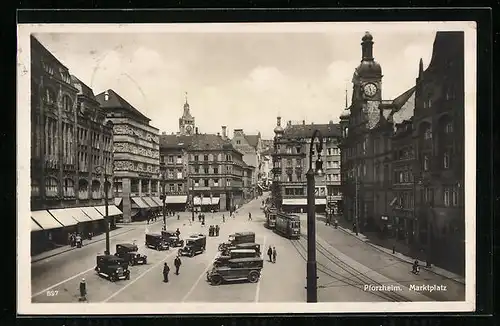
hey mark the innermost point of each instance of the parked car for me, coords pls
(235, 270)
(129, 252)
(172, 238)
(194, 245)
(237, 238)
(156, 241)
(227, 256)
(112, 267)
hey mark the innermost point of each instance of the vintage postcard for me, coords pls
(246, 168)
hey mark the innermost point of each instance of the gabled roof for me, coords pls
(306, 131)
(404, 106)
(115, 101)
(82, 87)
(253, 140)
(210, 142)
(175, 141)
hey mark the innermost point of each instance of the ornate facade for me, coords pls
(136, 157)
(251, 147)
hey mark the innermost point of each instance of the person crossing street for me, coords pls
(274, 254)
(83, 290)
(249, 216)
(270, 254)
(177, 264)
(166, 270)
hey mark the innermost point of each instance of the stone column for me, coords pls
(149, 187)
(140, 187)
(126, 201)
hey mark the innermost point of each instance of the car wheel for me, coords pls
(191, 254)
(132, 263)
(112, 278)
(127, 277)
(253, 277)
(216, 280)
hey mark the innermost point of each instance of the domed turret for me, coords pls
(278, 130)
(345, 114)
(368, 66)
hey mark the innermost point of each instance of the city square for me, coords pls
(355, 186)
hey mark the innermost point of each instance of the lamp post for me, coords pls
(101, 169)
(312, 294)
(163, 192)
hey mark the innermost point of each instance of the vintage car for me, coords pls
(250, 245)
(228, 255)
(156, 241)
(194, 245)
(238, 269)
(129, 252)
(112, 267)
(172, 239)
(238, 238)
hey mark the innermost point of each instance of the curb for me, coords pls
(401, 259)
(73, 248)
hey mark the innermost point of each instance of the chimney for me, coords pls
(163, 133)
(289, 123)
(330, 122)
(224, 129)
(196, 130)
(303, 122)
(218, 134)
(106, 96)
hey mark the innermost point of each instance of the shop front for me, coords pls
(46, 232)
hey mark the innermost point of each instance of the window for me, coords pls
(179, 173)
(328, 151)
(205, 170)
(228, 182)
(336, 151)
(206, 183)
(179, 159)
(216, 170)
(170, 159)
(171, 187)
(299, 176)
(289, 177)
(448, 128)
(180, 187)
(426, 162)
(69, 190)
(170, 174)
(447, 196)
(196, 158)
(455, 196)
(429, 195)
(205, 158)
(446, 159)
(196, 170)
(336, 177)
(216, 182)
(428, 134)
(67, 103)
(322, 191)
(336, 164)
(196, 182)
(49, 96)
(427, 103)
(298, 149)
(289, 150)
(298, 162)
(162, 159)
(51, 187)
(238, 142)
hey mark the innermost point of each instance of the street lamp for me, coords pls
(312, 294)
(100, 169)
(164, 195)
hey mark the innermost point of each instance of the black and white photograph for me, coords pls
(246, 168)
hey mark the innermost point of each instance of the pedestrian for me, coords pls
(203, 220)
(210, 230)
(148, 219)
(223, 219)
(274, 254)
(178, 217)
(249, 216)
(270, 254)
(217, 230)
(83, 290)
(177, 264)
(166, 270)
(178, 232)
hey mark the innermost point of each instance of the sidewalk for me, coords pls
(402, 252)
(101, 237)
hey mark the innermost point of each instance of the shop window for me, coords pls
(69, 190)
(96, 187)
(51, 186)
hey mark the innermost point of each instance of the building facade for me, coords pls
(291, 163)
(71, 138)
(251, 147)
(136, 157)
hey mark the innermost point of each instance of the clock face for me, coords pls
(370, 89)
(189, 128)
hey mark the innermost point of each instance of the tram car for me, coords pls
(271, 214)
(288, 225)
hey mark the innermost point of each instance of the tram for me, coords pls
(288, 225)
(271, 218)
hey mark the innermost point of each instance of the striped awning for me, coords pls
(302, 201)
(176, 199)
(35, 226)
(158, 201)
(150, 202)
(92, 213)
(45, 220)
(112, 210)
(118, 201)
(64, 216)
(139, 202)
(206, 201)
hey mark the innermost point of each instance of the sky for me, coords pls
(239, 79)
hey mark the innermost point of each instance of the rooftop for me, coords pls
(196, 142)
(306, 130)
(115, 101)
(82, 87)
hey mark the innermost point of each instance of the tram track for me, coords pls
(355, 278)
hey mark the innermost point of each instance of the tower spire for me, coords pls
(346, 105)
(186, 96)
(420, 68)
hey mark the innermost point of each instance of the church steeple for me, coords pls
(186, 122)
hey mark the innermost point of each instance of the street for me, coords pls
(345, 266)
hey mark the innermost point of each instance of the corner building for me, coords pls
(70, 138)
(136, 158)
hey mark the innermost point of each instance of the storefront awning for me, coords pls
(34, 226)
(118, 201)
(79, 215)
(302, 201)
(177, 199)
(112, 210)
(139, 202)
(158, 201)
(45, 220)
(92, 213)
(64, 216)
(206, 201)
(150, 202)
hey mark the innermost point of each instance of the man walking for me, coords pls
(249, 216)
(274, 254)
(270, 254)
(177, 264)
(166, 270)
(223, 219)
(83, 290)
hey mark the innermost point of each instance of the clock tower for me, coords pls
(367, 82)
(186, 122)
